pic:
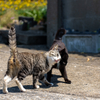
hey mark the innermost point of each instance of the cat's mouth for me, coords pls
(57, 60)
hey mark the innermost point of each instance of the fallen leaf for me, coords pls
(0, 46)
(88, 59)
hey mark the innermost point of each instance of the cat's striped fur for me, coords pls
(24, 64)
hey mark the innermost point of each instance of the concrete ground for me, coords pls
(83, 70)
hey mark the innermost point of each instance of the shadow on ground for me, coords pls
(54, 79)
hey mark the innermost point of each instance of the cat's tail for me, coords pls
(12, 42)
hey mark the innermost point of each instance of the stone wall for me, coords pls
(52, 20)
(78, 15)
(81, 14)
(89, 43)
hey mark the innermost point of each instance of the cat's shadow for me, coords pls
(11, 89)
(54, 80)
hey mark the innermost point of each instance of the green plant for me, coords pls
(38, 13)
(98, 49)
(8, 18)
(29, 8)
(2, 12)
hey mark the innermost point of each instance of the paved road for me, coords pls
(38, 95)
(83, 70)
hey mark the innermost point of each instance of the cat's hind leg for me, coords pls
(35, 78)
(44, 80)
(20, 77)
(6, 79)
(20, 86)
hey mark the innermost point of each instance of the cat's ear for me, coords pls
(55, 47)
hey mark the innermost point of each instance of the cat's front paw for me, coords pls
(23, 90)
(5, 91)
(67, 81)
(36, 86)
(51, 84)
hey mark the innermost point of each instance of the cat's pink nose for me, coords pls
(57, 60)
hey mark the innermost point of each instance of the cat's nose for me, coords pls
(57, 60)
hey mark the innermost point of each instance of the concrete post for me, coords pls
(52, 20)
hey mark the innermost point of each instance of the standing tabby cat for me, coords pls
(24, 64)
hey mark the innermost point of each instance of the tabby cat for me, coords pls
(24, 64)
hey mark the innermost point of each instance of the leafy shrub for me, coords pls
(29, 8)
(7, 18)
(37, 13)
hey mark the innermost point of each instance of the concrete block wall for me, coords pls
(78, 15)
(52, 20)
(99, 43)
(82, 43)
(81, 14)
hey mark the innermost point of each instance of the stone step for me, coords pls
(28, 37)
(4, 36)
(31, 37)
